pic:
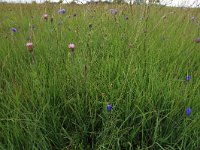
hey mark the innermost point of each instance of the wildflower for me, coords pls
(126, 17)
(62, 11)
(71, 46)
(192, 18)
(74, 15)
(197, 40)
(188, 111)
(109, 107)
(14, 29)
(113, 11)
(29, 45)
(188, 77)
(45, 16)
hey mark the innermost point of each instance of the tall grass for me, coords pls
(49, 100)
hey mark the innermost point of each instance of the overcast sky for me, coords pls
(186, 3)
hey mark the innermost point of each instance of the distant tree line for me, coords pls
(106, 2)
(123, 1)
(100, 1)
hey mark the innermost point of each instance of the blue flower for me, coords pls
(62, 11)
(109, 107)
(188, 111)
(188, 77)
(14, 29)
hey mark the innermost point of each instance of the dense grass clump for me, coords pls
(141, 63)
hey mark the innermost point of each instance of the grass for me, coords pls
(52, 100)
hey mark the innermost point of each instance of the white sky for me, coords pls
(185, 3)
(190, 3)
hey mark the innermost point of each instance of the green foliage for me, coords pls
(51, 99)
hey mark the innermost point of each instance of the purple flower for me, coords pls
(29, 45)
(197, 40)
(188, 111)
(113, 11)
(126, 17)
(188, 77)
(62, 11)
(14, 29)
(192, 18)
(109, 107)
(45, 16)
(71, 46)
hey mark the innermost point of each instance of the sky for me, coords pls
(180, 3)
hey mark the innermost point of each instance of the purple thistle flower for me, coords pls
(192, 18)
(45, 16)
(188, 77)
(62, 11)
(71, 46)
(197, 40)
(14, 29)
(109, 107)
(113, 11)
(188, 111)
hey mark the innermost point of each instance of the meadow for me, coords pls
(130, 81)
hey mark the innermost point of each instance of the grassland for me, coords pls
(51, 99)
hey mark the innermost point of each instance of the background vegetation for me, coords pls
(136, 60)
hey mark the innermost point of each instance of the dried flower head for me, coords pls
(90, 26)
